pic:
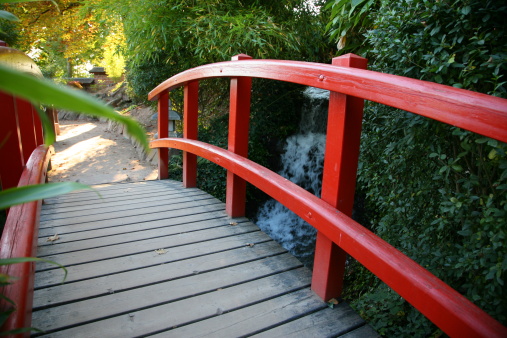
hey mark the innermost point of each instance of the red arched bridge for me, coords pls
(161, 258)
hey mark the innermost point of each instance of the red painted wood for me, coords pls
(11, 147)
(239, 125)
(37, 124)
(454, 106)
(26, 126)
(163, 131)
(19, 239)
(339, 179)
(444, 306)
(190, 128)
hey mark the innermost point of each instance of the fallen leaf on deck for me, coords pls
(161, 251)
(53, 238)
(332, 302)
(233, 223)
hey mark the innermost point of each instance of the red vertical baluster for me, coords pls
(163, 132)
(37, 125)
(191, 107)
(239, 122)
(26, 126)
(339, 179)
(11, 149)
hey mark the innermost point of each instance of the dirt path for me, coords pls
(86, 152)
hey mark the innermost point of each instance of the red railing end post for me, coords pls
(190, 129)
(339, 179)
(163, 132)
(239, 125)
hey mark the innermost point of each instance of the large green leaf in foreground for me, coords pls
(48, 93)
(28, 193)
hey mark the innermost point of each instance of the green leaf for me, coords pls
(17, 260)
(29, 193)
(8, 16)
(465, 10)
(49, 132)
(48, 93)
(492, 154)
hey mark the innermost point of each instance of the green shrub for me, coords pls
(437, 193)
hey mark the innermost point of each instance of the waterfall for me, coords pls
(302, 162)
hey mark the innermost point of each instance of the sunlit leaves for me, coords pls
(48, 93)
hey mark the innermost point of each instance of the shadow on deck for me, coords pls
(153, 258)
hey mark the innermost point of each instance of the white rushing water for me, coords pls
(302, 164)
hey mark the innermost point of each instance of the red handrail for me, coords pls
(19, 239)
(479, 113)
(24, 162)
(444, 306)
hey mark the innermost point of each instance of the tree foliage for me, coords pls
(164, 38)
(57, 33)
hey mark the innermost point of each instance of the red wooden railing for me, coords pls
(24, 161)
(337, 232)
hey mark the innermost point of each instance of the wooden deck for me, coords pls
(153, 258)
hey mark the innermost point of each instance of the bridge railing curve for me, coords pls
(24, 160)
(338, 235)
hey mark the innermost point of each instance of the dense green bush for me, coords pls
(437, 193)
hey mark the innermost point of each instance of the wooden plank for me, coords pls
(118, 200)
(93, 198)
(166, 316)
(129, 237)
(90, 270)
(325, 323)
(130, 228)
(251, 319)
(51, 230)
(123, 249)
(101, 286)
(114, 213)
(106, 206)
(121, 188)
(221, 271)
(137, 219)
(161, 293)
(115, 188)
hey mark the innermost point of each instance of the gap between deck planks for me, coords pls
(215, 276)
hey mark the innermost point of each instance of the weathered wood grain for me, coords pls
(325, 323)
(119, 204)
(146, 259)
(118, 282)
(123, 249)
(185, 311)
(251, 319)
(216, 275)
(209, 206)
(113, 213)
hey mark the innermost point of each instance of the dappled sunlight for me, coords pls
(90, 154)
(72, 130)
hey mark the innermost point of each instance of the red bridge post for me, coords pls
(239, 124)
(11, 150)
(191, 107)
(339, 179)
(163, 132)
